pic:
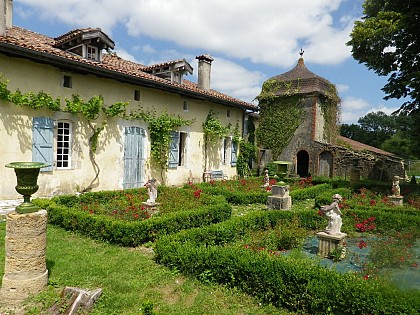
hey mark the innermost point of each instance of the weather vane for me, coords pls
(301, 52)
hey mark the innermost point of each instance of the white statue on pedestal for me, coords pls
(396, 187)
(334, 214)
(266, 179)
(151, 185)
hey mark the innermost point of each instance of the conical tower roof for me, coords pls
(300, 80)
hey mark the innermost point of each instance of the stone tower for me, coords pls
(299, 113)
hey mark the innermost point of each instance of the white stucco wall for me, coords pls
(16, 130)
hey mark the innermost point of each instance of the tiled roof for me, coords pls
(39, 43)
(302, 80)
(358, 146)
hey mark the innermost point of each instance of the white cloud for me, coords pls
(268, 31)
(341, 88)
(234, 80)
(125, 55)
(353, 108)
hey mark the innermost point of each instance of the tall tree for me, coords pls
(387, 40)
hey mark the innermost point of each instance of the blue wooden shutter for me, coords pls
(42, 141)
(133, 157)
(173, 159)
(234, 154)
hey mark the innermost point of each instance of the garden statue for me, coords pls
(396, 186)
(266, 179)
(151, 185)
(333, 213)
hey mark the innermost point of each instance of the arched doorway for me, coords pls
(325, 164)
(302, 163)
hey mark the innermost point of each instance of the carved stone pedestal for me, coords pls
(396, 200)
(25, 271)
(151, 208)
(329, 243)
(279, 198)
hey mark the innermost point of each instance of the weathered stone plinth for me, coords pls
(329, 243)
(279, 198)
(151, 208)
(25, 271)
(396, 200)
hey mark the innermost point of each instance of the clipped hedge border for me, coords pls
(295, 284)
(104, 228)
(240, 198)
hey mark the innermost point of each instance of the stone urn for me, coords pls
(27, 177)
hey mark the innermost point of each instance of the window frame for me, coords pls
(62, 157)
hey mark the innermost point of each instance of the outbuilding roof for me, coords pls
(20, 42)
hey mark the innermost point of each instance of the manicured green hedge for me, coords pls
(298, 284)
(325, 198)
(309, 192)
(251, 197)
(134, 233)
(293, 283)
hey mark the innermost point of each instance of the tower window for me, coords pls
(92, 53)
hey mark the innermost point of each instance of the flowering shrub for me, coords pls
(127, 204)
(365, 225)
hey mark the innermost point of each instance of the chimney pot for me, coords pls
(204, 71)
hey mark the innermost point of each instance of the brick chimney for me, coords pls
(6, 10)
(204, 70)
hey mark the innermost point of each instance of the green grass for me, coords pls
(129, 277)
(414, 168)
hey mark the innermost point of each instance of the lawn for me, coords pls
(129, 277)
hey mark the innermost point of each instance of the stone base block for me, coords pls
(396, 200)
(25, 270)
(20, 288)
(329, 243)
(151, 208)
(280, 203)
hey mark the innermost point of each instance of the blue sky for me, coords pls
(250, 40)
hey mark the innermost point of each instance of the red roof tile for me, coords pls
(358, 146)
(40, 43)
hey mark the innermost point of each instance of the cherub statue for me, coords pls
(266, 179)
(333, 213)
(151, 185)
(396, 186)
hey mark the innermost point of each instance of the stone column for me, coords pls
(25, 271)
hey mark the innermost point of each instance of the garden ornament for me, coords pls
(266, 179)
(333, 213)
(396, 186)
(151, 185)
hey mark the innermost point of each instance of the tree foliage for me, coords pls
(387, 40)
(392, 133)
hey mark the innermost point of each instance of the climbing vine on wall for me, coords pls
(281, 115)
(91, 110)
(247, 152)
(160, 128)
(213, 131)
(330, 107)
(279, 118)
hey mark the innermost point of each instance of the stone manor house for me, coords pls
(76, 63)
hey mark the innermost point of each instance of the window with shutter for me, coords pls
(42, 141)
(173, 160)
(234, 153)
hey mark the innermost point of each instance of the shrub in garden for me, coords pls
(133, 232)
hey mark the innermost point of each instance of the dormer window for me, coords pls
(172, 71)
(92, 53)
(87, 43)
